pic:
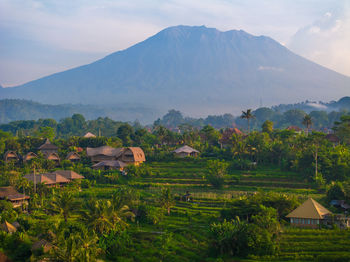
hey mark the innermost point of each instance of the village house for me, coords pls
(69, 174)
(47, 148)
(29, 156)
(11, 156)
(53, 157)
(226, 138)
(103, 153)
(186, 151)
(57, 178)
(89, 135)
(106, 154)
(110, 165)
(73, 157)
(296, 129)
(9, 193)
(309, 214)
(49, 179)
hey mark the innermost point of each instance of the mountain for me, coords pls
(196, 69)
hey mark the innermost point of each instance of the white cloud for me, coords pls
(326, 41)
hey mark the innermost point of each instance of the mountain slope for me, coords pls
(197, 69)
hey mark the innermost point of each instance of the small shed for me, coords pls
(73, 157)
(185, 151)
(11, 156)
(309, 214)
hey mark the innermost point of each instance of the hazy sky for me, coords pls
(40, 37)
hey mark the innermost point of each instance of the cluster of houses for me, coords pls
(49, 151)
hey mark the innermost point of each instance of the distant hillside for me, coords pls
(195, 69)
(16, 109)
(308, 106)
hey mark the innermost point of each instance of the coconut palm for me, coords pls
(307, 121)
(102, 216)
(247, 115)
(63, 203)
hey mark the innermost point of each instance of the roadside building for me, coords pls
(185, 151)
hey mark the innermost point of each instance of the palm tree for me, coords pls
(166, 199)
(247, 115)
(63, 204)
(102, 216)
(307, 121)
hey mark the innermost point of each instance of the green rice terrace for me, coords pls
(135, 196)
(183, 235)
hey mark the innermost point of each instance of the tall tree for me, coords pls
(307, 122)
(248, 115)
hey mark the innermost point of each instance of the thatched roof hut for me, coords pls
(8, 227)
(110, 164)
(40, 178)
(69, 174)
(73, 156)
(11, 156)
(308, 214)
(29, 156)
(103, 151)
(11, 194)
(48, 145)
(89, 135)
(134, 155)
(186, 151)
(52, 156)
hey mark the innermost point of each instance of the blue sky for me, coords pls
(40, 37)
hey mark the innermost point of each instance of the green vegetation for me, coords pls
(228, 204)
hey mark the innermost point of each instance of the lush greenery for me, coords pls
(230, 203)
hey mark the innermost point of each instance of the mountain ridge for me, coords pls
(197, 69)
